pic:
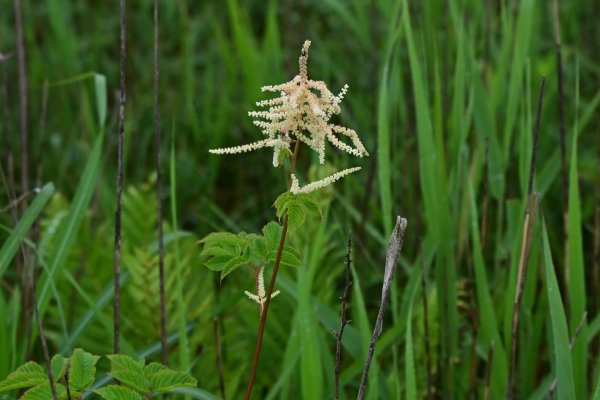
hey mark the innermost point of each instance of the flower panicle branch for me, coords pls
(311, 187)
(302, 112)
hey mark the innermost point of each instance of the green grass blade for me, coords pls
(576, 269)
(180, 313)
(560, 333)
(11, 245)
(70, 228)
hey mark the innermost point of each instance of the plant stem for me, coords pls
(263, 315)
(343, 320)
(117, 266)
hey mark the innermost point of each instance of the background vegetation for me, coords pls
(443, 94)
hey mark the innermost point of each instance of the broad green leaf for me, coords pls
(123, 362)
(272, 235)
(233, 264)
(154, 368)
(59, 366)
(221, 239)
(560, 333)
(310, 204)
(114, 392)
(82, 372)
(217, 263)
(296, 215)
(281, 203)
(166, 381)
(290, 257)
(11, 244)
(43, 392)
(27, 375)
(134, 379)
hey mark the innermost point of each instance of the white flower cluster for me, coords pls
(311, 187)
(301, 112)
(261, 295)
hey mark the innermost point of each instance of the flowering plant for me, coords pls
(301, 114)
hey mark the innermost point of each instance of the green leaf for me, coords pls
(83, 369)
(27, 375)
(134, 379)
(217, 263)
(310, 204)
(43, 392)
(123, 362)
(296, 215)
(560, 333)
(221, 239)
(234, 264)
(289, 257)
(281, 203)
(11, 244)
(100, 88)
(154, 368)
(114, 392)
(272, 235)
(59, 366)
(166, 381)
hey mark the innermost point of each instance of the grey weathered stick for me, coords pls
(343, 320)
(391, 263)
(117, 266)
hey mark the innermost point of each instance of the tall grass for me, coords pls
(442, 94)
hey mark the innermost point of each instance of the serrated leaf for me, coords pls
(220, 239)
(259, 248)
(166, 381)
(281, 203)
(27, 375)
(154, 368)
(296, 216)
(290, 257)
(217, 263)
(310, 204)
(123, 362)
(272, 235)
(133, 379)
(83, 369)
(114, 392)
(233, 264)
(59, 366)
(43, 392)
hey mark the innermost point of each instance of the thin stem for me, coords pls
(530, 210)
(343, 320)
(161, 250)
(263, 315)
(117, 266)
(22, 58)
(488, 374)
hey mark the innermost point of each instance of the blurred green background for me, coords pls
(443, 95)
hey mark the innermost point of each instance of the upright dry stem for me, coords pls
(343, 320)
(117, 266)
(265, 310)
(161, 251)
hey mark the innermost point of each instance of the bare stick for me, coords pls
(571, 345)
(263, 315)
(22, 57)
(217, 333)
(426, 329)
(122, 99)
(161, 251)
(343, 320)
(528, 226)
(391, 263)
